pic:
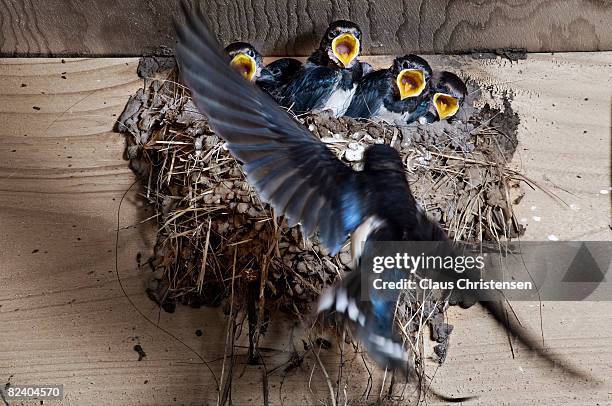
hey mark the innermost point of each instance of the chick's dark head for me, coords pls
(245, 59)
(447, 95)
(342, 43)
(412, 76)
(282, 69)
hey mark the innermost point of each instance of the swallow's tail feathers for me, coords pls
(494, 305)
(372, 320)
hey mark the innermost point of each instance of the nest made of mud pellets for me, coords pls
(216, 236)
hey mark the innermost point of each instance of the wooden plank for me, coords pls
(64, 319)
(285, 27)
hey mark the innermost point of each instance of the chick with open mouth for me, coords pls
(398, 95)
(329, 78)
(447, 95)
(247, 61)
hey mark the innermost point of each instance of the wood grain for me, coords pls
(64, 318)
(287, 27)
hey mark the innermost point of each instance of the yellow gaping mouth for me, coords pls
(346, 48)
(446, 105)
(245, 65)
(410, 82)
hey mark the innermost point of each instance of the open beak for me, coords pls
(245, 65)
(446, 105)
(346, 48)
(410, 82)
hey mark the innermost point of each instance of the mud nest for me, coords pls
(216, 238)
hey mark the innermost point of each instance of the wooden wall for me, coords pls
(291, 27)
(65, 320)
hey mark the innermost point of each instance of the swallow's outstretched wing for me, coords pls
(290, 168)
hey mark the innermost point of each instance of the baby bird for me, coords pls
(277, 74)
(399, 94)
(447, 95)
(328, 80)
(247, 61)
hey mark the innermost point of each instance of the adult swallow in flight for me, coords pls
(399, 94)
(328, 79)
(247, 61)
(446, 97)
(304, 180)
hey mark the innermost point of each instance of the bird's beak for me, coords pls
(245, 65)
(410, 82)
(346, 48)
(446, 105)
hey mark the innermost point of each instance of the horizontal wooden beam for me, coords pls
(292, 27)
